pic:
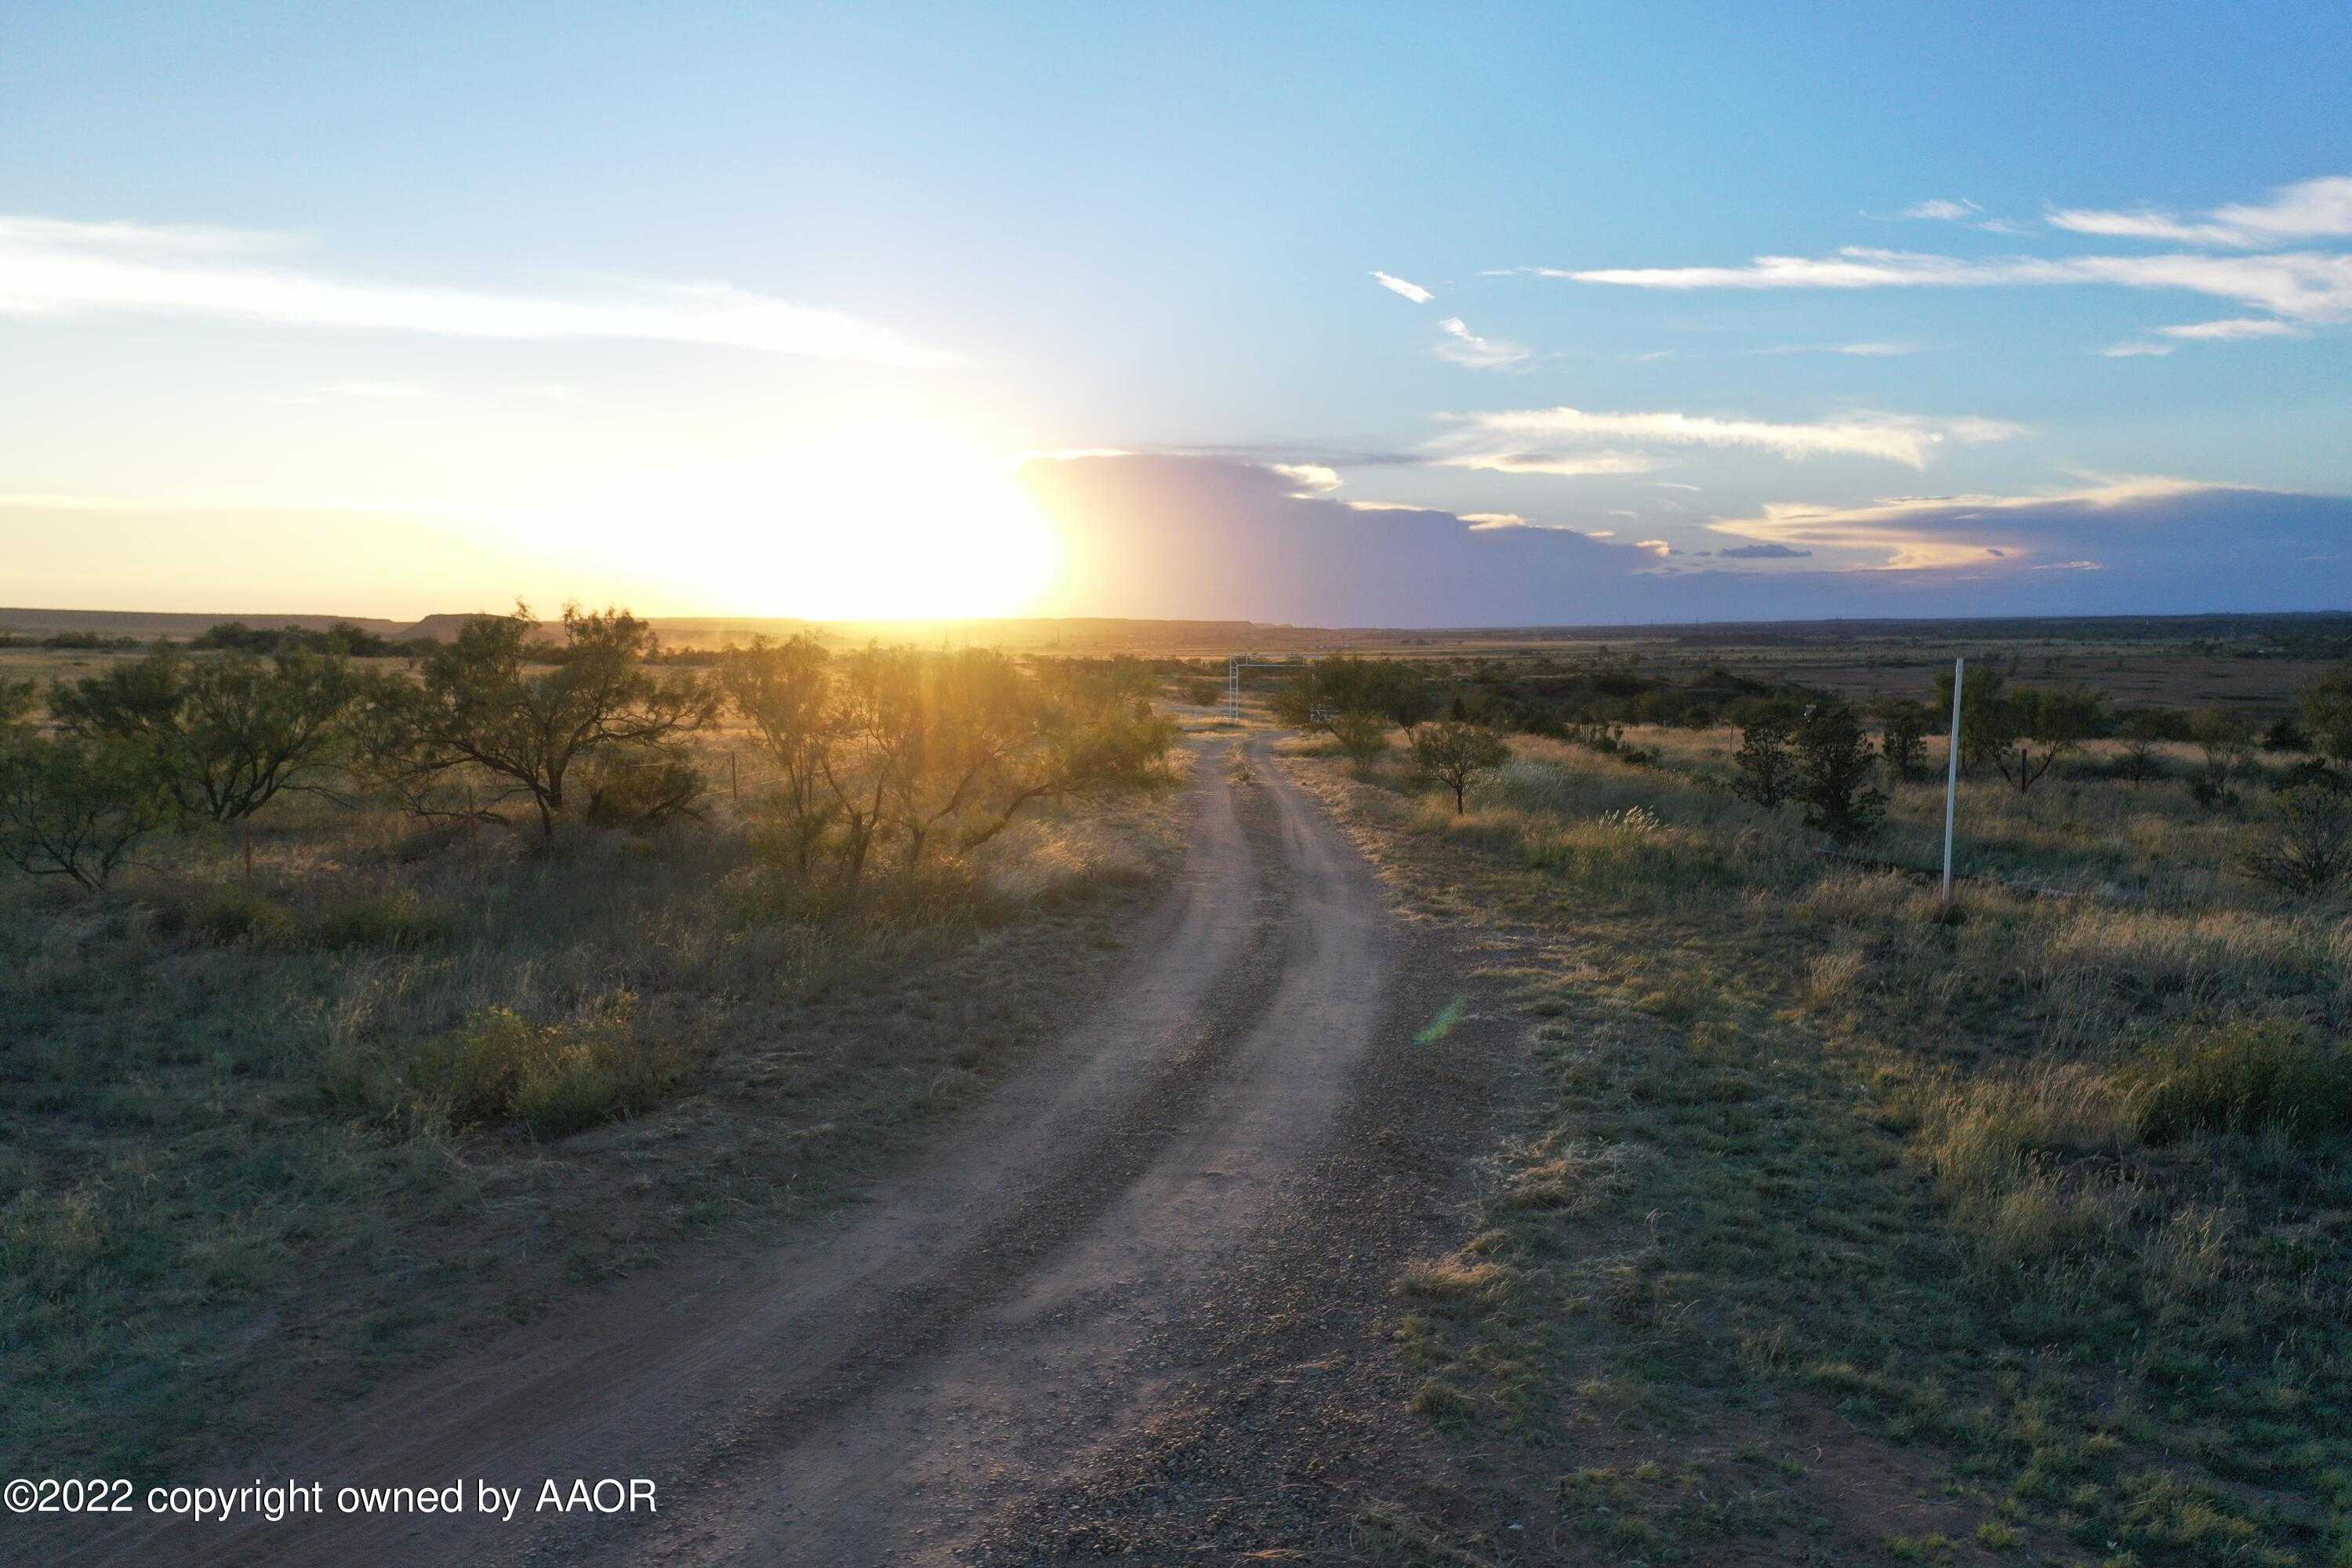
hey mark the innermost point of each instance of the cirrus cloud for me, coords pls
(2233, 329)
(1941, 209)
(1463, 347)
(1394, 285)
(2308, 286)
(52, 267)
(2309, 209)
(1577, 441)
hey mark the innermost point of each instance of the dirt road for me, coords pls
(1196, 1196)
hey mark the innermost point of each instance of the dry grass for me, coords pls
(2053, 1194)
(401, 1082)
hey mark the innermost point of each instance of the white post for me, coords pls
(1952, 777)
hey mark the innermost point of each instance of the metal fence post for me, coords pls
(1952, 777)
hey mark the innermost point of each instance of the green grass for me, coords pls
(2023, 1237)
(2251, 1079)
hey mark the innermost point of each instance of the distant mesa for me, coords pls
(1075, 634)
(1100, 636)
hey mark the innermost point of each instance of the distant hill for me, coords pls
(145, 624)
(2315, 635)
(1076, 636)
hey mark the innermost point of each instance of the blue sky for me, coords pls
(734, 308)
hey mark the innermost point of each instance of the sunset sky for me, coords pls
(1352, 315)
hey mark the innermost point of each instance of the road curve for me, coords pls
(879, 1389)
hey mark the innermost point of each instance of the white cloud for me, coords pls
(1560, 465)
(1413, 291)
(2308, 286)
(1941, 210)
(1312, 478)
(1915, 532)
(1971, 430)
(2310, 210)
(1549, 440)
(2137, 350)
(50, 266)
(1657, 547)
(2235, 327)
(1864, 350)
(1463, 347)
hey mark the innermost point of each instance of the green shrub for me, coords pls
(1363, 737)
(2304, 844)
(397, 919)
(640, 789)
(237, 912)
(1835, 766)
(1766, 772)
(2248, 1079)
(555, 1078)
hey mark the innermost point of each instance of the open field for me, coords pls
(1837, 1232)
(1598, 1171)
(300, 1097)
(222, 1195)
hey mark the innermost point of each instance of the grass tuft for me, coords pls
(553, 1078)
(394, 920)
(2248, 1079)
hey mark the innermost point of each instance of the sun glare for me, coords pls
(902, 522)
(906, 526)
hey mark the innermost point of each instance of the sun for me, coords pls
(881, 522)
(906, 524)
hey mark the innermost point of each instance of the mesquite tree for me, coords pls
(228, 733)
(952, 746)
(2031, 729)
(1455, 752)
(2327, 716)
(784, 692)
(480, 703)
(73, 806)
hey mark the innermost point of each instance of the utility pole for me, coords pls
(1952, 778)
